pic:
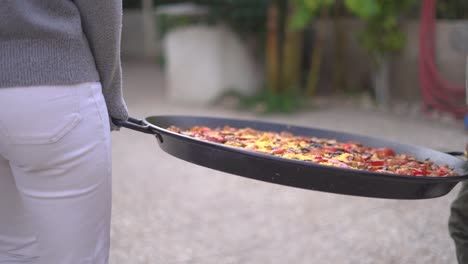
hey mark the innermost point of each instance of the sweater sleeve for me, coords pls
(102, 25)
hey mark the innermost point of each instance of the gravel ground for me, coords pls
(169, 211)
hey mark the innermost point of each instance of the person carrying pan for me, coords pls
(458, 221)
(60, 79)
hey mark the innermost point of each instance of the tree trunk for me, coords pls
(316, 57)
(292, 50)
(272, 48)
(339, 79)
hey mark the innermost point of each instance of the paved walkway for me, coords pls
(170, 211)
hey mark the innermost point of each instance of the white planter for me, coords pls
(202, 62)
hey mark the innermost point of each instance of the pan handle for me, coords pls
(459, 153)
(455, 153)
(138, 125)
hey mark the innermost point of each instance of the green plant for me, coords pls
(167, 23)
(382, 33)
(453, 9)
(131, 4)
(266, 102)
(305, 12)
(283, 48)
(244, 16)
(308, 10)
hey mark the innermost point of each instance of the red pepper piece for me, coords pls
(418, 172)
(333, 149)
(348, 147)
(442, 171)
(376, 163)
(216, 139)
(385, 152)
(278, 151)
(320, 159)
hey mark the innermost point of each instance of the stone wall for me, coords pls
(135, 39)
(451, 52)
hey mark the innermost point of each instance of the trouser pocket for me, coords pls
(38, 115)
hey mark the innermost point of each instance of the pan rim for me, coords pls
(390, 176)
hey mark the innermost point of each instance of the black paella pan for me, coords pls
(298, 173)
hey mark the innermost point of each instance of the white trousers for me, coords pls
(55, 175)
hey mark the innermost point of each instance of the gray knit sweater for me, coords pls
(60, 42)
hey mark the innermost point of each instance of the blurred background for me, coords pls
(274, 52)
(392, 69)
